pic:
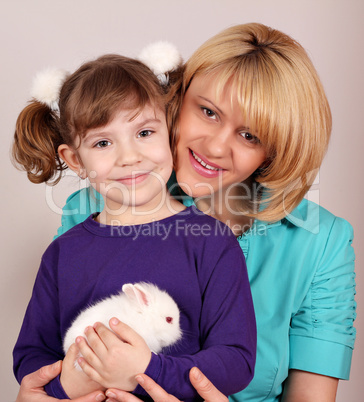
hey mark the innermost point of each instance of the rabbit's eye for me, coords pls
(169, 320)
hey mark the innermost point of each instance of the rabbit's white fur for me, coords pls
(151, 312)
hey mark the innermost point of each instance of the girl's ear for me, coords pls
(71, 158)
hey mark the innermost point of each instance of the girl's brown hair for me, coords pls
(283, 99)
(89, 98)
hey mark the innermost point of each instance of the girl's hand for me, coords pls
(75, 382)
(202, 385)
(113, 360)
(31, 388)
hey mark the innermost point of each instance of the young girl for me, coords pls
(252, 124)
(111, 129)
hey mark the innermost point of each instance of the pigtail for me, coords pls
(36, 141)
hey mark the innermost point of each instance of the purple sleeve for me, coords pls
(55, 389)
(39, 342)
(227, 333)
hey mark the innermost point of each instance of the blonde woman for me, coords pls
(250, 126)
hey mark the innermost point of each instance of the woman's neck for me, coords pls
(227, 210)
(118, 215)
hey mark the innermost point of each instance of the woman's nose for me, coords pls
(219, 143)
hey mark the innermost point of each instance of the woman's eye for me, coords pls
(250, 137)
(209, 113)
(145, 133)
(102, 144)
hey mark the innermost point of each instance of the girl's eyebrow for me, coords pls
(95, 134)
(212, 103)
(150, 120)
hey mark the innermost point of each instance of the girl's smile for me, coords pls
(133, 179)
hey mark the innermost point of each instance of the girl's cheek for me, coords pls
(161, 153)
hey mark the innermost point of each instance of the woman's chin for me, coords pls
(198, 191)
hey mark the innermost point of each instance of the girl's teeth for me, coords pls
(205, 165)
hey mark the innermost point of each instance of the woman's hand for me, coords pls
(31, 388)
(75, 382)
(113, 359)
(201, 383)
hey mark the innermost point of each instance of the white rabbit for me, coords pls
(151, 312)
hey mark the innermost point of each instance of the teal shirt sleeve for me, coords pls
(79, 206)
(323, 326)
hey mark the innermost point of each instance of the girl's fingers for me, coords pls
(94, 340)
(124, 332)
(89, 370)
(72, 354)
(107, 336)
(88, 354)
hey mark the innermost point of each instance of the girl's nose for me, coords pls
(128, 154)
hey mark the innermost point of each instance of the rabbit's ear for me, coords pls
(137, 294)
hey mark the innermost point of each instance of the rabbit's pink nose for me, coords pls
(169, 320)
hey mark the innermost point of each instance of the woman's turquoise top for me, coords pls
(301, 271)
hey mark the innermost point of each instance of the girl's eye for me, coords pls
(102, 144)
(250, 137)
(209, 113)
(145, 133)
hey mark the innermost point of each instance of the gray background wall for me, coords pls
(36, 34)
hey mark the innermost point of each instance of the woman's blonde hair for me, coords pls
(281, 97)
(89, 98)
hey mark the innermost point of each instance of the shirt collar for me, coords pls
(305, 215)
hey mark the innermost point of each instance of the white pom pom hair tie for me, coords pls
(47, 86)
(161, 57)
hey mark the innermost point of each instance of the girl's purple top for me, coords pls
(194, 257)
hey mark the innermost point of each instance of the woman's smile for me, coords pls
(215, 150)
(203, 166)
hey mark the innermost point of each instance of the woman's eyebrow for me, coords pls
(212, 103)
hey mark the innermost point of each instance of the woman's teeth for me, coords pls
(204, 164)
